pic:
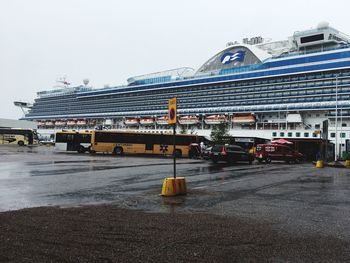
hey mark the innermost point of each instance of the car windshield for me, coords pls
(234, 148)
(216, 148)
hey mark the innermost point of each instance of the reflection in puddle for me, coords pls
(171, 203)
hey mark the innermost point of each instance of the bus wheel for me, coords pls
(21, 143)
(178, 153)
(118, 151)
(81, 149)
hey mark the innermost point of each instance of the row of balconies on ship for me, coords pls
(330, 90)
(327, 78)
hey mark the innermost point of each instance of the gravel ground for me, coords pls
(105, 233)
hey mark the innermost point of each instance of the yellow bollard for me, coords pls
(174, 186)
(347, 163)
(181, 185)
(319, 164)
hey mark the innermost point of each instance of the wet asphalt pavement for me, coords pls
(295, 198)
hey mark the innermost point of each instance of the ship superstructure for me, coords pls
(262, 88)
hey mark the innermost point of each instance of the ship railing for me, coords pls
(298, 53)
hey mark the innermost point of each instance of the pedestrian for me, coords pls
(203, 147)
(318, 156)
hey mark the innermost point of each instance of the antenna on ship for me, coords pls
(86, 81)
(62, 82)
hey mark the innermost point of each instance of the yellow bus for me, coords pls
(73, 141)
(19, 137)
(118, 143)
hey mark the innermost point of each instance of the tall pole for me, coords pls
(286, 118)
(341, 131)
(174, 150)
(172, 119)
(336, 118)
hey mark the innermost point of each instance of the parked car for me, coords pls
(230, 154)
(269, 152)
(206, 153)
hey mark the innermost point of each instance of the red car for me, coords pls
(268, 152)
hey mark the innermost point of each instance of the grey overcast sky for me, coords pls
(108, 41)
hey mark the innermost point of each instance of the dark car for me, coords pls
(269, 152)
(206, 153)
(230, 154)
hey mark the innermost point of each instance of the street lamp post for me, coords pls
(336, 118)
(287, 118)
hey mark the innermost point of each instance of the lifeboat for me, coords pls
(81, 122)
(71, 123)
(244, 119)
(191, 119)
(60, 123)
(215, 119)
(162, 120)
(49, 123)
(131, 122)
(146, 121)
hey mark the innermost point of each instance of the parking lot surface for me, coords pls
(297, 199)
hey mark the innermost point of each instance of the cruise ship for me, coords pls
(262, 88)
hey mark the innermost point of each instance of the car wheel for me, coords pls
(260, 160)
(215, 160)
(268, 160)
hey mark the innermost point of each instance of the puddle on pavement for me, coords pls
(85, 168)
(315, 179)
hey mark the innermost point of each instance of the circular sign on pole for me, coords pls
(172, 111)
(172, 114)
